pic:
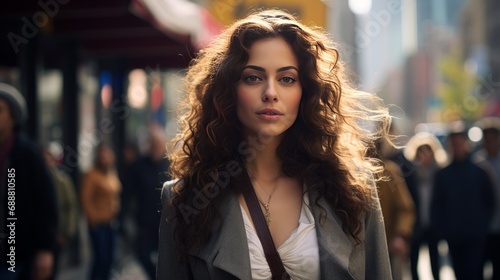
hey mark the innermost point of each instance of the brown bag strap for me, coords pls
(273, 258)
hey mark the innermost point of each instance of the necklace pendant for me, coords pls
(268, 217)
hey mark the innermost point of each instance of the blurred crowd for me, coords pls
(444, 190)
(433, 191)
(51, 225)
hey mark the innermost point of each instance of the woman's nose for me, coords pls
(270, 93)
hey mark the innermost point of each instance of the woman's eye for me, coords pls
(252, 79)
(287, 80)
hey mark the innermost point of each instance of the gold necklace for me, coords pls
(267, 213)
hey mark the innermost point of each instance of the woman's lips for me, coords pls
(269, 114)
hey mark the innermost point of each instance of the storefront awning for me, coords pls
(179, 18)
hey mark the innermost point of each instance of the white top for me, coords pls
(299, 253)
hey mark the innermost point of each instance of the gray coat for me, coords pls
(226, 255)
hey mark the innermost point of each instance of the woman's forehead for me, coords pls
(271, 51)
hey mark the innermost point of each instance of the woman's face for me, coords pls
(106, 157)
(425, 155)
(269, 91)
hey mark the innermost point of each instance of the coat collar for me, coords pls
(335, 246)
(233, 254)
(228, 251)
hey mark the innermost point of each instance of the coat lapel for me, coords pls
(227, 249)
(335, 247)
(233, 256)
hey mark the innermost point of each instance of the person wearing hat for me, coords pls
(427, 156)
(490, 154)
(462, 206)
(28, 206)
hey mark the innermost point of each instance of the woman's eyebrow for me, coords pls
(281, 69)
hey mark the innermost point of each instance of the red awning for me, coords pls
(179, 18)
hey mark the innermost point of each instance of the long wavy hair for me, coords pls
(325, 148)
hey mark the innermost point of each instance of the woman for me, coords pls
(100, 194)
(269, 101)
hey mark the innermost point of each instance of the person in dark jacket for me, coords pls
(149, 173)
(462, 207)
(28, 212)
(490, 154)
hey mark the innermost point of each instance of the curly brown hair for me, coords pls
(325, 147)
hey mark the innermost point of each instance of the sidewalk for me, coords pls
(446, 273)
(424, 264)
(126, 267)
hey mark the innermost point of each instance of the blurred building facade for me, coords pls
(480, 28)
(340, 23)
(405, 50)
(435, 60)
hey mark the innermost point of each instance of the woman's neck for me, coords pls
(265, 165)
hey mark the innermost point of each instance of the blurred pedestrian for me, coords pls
(130, 154)
(67, 204)
(462, 206)
(149, 174)
(28, 211)
(428, 156)
(398, 211)
(100, 195)
(491, 153)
